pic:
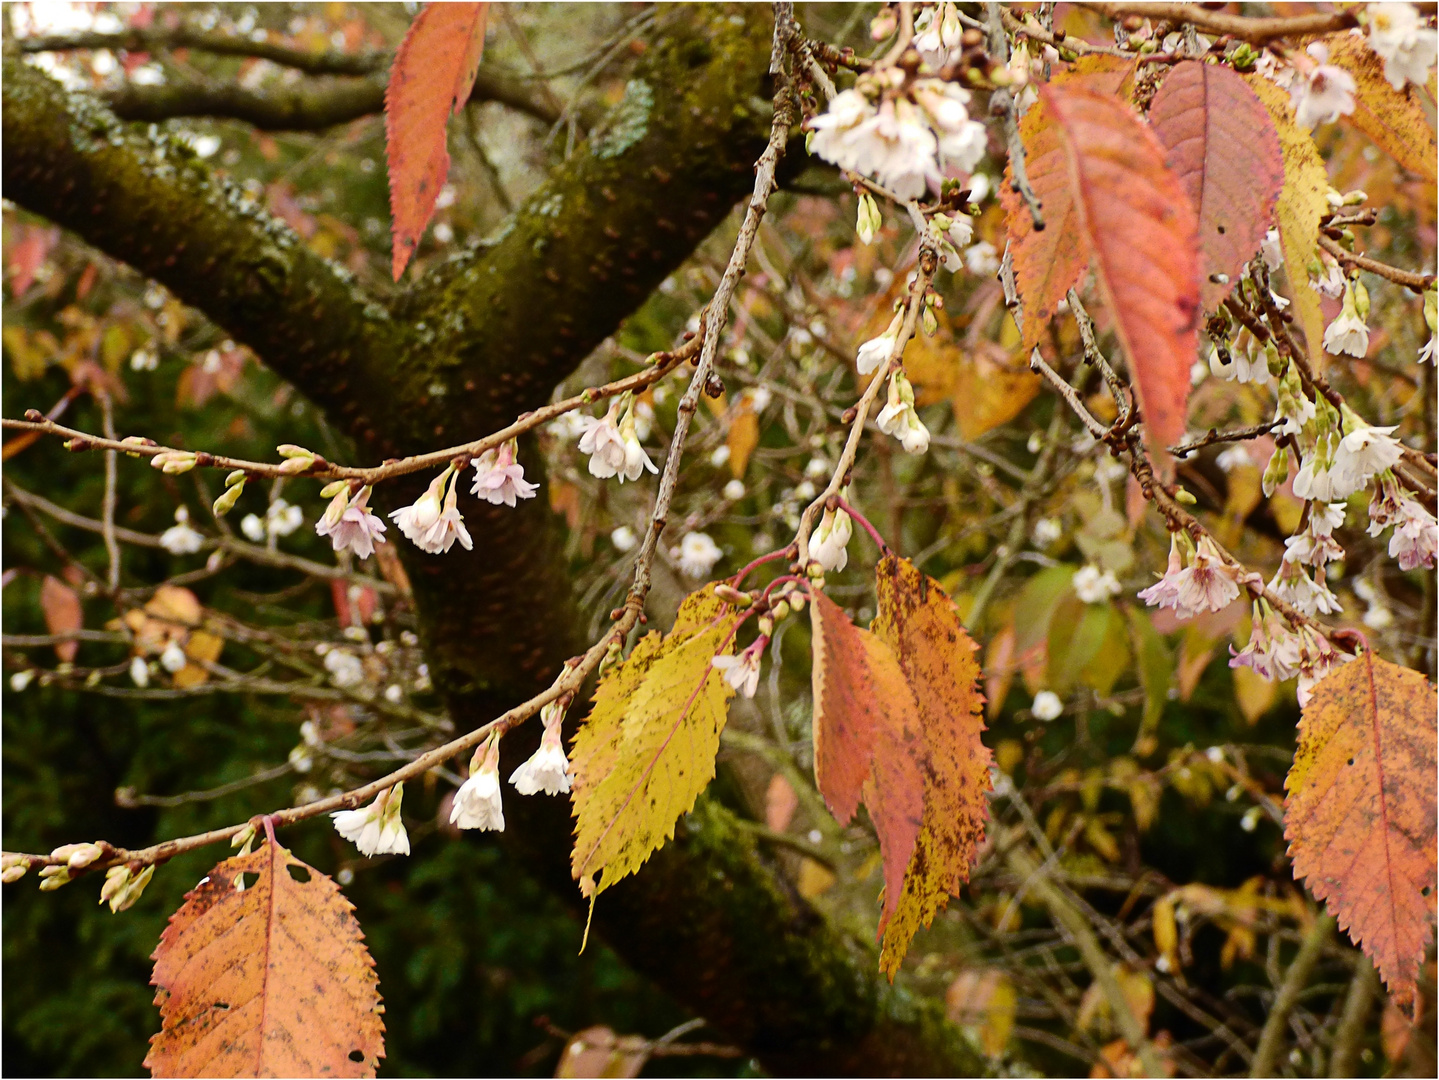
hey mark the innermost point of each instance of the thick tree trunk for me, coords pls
(477, 341)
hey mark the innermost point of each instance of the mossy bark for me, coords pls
(478, 340)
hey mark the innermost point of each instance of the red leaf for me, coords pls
(1047, 264)
(1221, 143)
(28, 254)
(845, 708)
(62, 614)
(430, 78)
(1142, 231)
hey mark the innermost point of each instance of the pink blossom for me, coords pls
(742, 671)
(499, 478)
(355, 526)
(434, 525)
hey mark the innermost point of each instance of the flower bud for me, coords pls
(883, 24)
(1361, 299)
(236, 477)
(1184, 497)
(928, 322)
(134, 440)
(77, 856)
(869, 219)
(290, 450)
(293, 466)
(781, 610)
(228, 498)
(796, 601)
(52, 877)
(330, 490)
(173, 462)
(122, 889)
(733, 596)
(13, 868)
(1276, 472)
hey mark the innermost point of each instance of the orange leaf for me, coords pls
(1359, 815)
(742, 438)
(431, 77)
(1222, 145)
(1142, 230)
(919, 623)
(274, 980)
(846, 707)
(62, 614)
(1047, 264)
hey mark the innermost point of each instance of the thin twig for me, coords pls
(1409, 279)
(1354, 1020)
(1271, 1039)
(1002, 104)
(1255, 31)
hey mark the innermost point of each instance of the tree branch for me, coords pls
(1257, 31)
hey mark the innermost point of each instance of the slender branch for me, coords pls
(1354, 1020)
(1215, 436)
(1255, 31)
(1271, 1039)
(1414, 282)
(662, 364)
(1002, 104)
(107, 506)
(1078, 46)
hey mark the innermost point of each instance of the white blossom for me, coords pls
(1047, 531)
(547, 769)
(1046, 706)
(698, 553)
(876, 351)
(898, 417)
(477, 803)
(733, 490)
(173, 658)
(604, 443)
(1363, 453)
(253, 528)
(1247, 362)
(21, 679)
(179, 538)
(1347, 333)
(1207, 583)
(1312, 596)
(1094, 586)
(433, 521)
(624, 539)
(499, 478)
(981, 259)
(831, 537)
(937, 35)
(1406, 45)
(376, 829)
(1272, 250)
(1331, 281)
(139, 672)
(1416, 536)
(345, 668)
(1323, 94)
(742, 671)
(281, 519)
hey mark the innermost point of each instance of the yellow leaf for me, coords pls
(984, 999)
(1302, 201)
(1254, 693)
(203, 646)
(648, 747)
(190, 675)
(1395, 121)
(1166, 931)
(742, 438)
(814, 878)
(918, 622)
(983, 392)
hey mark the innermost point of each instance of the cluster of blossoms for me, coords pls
(1406, 45)
(349, 522)
(900, 132)
(1095, 586)
(180, 538)
(899, 419)
(1415, 541)
(1274, 651)
(376, 829)
(613, 442)
(281, 519)
(829, 542)
(433, 521)
(1197, 579)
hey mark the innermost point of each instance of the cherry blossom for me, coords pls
(1095, 586)
(1324, 93)
(876, 351)
(433, 521)
(477, 804)
(180, 538)
(376, 829)
(601, 439)
(1406, 45)
(742, 671)
(898, 417)
(355, 527)
(831, 537)
(1347, 333)
(547, 769)
(697, 554)
(499, 478)
(1206, 584)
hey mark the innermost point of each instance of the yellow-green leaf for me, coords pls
(919, 623)
(1302, 202)
(648, 747)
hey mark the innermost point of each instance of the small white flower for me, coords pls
(1347, 333)
(1312, 596)
(1325, 518)
(1324, 94)
(1094, 586)
(1272, 250)
(1416, 536)
(1046, 706)
(1364, 452)
(876, 351)
(433, 522)
(698, 553)
(982, 259)
(734, 490)
(1047, 531)
(1331, 281)
(1378, 617)
(898, 417)
(1234, 458)
(173, 658)
(499, 478)
(376, 829)
(477, 803)
(624, 539)
(1406, 45)
(281, 519)
(548, 769)
(180, 539)
(140, 672)
(604, 443)
(21, 679)
(636, 460)
(1206, 584)
(345, 668)
(742, 671)
(831, 537)
(253, 528)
